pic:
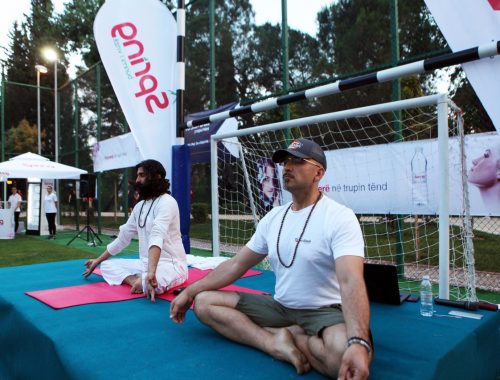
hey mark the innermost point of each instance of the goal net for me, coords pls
(399, 166)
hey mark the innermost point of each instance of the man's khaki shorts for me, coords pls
(264, 311)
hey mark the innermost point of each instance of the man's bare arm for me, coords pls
(154, 254)
(356, 309)
(225, 274)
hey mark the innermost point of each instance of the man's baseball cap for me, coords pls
(302, 148)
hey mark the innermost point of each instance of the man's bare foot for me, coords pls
(137, 287)
(285, 349)
(135, 282)
(296, 330)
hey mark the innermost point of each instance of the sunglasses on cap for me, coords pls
(298, 161)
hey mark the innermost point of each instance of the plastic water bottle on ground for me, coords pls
(426, 307)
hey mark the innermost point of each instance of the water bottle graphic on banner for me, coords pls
(419, 178)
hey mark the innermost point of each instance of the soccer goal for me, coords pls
(400, 166)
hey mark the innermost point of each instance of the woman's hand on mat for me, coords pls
(152, 284)
(91, 265)
(180, 305)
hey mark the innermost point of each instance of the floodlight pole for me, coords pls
(39, 137)
(2, 115)
(284, 60)
(56, 110)
(51, 55)
(39, 70)
(56, 125)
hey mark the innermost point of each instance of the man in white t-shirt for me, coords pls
(319, 315)
(162, 262)
(14, 202)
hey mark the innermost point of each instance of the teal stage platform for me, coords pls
(136, 340)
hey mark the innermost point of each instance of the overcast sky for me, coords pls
(301, 14)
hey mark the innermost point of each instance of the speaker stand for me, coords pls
(91, 235)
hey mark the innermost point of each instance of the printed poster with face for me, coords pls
(269, 186)
(483, 164)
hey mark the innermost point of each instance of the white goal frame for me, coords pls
(443, 104)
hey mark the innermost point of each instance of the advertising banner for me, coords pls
(482, 21)
(7, 223)
(116, 153)
(198, 138)
(137, 45)
(403, 178)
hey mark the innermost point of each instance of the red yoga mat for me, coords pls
(60, 298)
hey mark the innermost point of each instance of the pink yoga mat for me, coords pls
(60, 298)
(200, 273)
(169, 296)
(196, 274)
(248, 273)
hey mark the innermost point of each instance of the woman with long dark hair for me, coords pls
(269, 186)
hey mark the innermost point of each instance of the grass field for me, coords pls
(486, 246)
(24, 250)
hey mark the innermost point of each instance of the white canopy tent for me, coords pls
(29, 165)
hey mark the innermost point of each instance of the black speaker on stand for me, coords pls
(87, 185)
(87, 190)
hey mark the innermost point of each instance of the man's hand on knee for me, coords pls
(180, 305)
(151, 284)
(355, 363)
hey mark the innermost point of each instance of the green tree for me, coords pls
(233, 29)
(476, 119)
(28, 39)
(76, 27)
(19, 102)
(355, 37)
(23, 138)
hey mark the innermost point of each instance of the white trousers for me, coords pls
(168, 274)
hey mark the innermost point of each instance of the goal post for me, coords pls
(370, 172)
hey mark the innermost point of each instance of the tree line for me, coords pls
(353, 37)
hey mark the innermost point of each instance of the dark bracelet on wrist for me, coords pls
(360, 341)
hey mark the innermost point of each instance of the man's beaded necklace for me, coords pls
(301, 234)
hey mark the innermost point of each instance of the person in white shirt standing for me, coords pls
(14, 202)
(50, 205)
(162, 263)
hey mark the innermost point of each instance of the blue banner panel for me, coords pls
(181, 188)
(198, 138)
